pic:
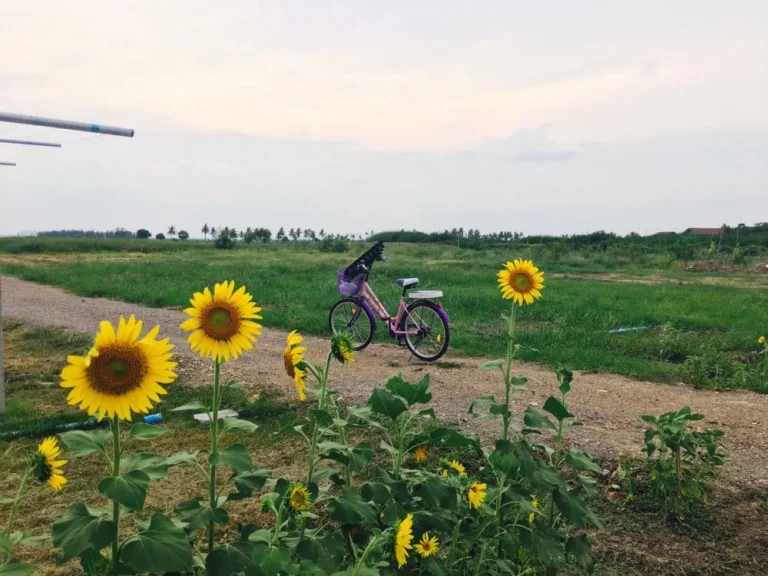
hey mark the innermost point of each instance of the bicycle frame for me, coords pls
(368, 296)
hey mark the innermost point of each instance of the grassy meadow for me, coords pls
(719, 315)
(713, 316)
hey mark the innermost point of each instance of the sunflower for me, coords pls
(45, 465)
(403, 539)
(120, 374)
(420, 454)
(532, 515)
(761, 340)
(476, 494)
(293, 356)
(520, 281)
(427, 546)
(300, 498)
(457, 466)
(341, 348)
(222, 324)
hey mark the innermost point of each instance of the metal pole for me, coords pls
(65, 124)
(48, 123)
(30, 143)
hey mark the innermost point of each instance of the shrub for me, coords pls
(671, 344)
(224, 242)
(683, 460)
(143, 234)
(183, 235)
(334, 244)
(159, 236)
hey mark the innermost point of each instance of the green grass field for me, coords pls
(717, 317)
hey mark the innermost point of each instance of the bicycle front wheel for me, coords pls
(348, 316)
(426, 330)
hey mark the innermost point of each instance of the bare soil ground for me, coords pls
(609, 406)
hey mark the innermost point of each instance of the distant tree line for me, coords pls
(749, 239)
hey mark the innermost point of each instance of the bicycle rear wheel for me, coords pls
(347, 315)
(427, 333)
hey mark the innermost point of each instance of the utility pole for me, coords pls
(48, 123)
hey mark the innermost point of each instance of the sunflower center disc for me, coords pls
(117, 370)
(522, 282)
(221, 323)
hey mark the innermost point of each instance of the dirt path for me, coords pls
(608, 405)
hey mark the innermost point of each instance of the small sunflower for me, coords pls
(761, 340)
(476, 494)
(293, 357)
(458, 467)
(121, 374)
(300, 498)
(420, 454)
(520, 281)
(341, 348)
(403, 538)
(223, 323)
(532, 515)
(427, 546)
(445, 473)
(45, 465)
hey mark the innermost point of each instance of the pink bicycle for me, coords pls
(421, 324)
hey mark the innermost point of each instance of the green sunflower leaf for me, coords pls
(79, 530)
(153, 465)
(142, 431)
(238, 424)
(236, 457)
(383, 402)
(163, 547)
(129, 490)
(82, 443)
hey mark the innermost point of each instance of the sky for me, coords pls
(553, 117)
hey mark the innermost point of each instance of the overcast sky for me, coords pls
(541, 117)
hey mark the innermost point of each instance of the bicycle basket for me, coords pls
(349, 286)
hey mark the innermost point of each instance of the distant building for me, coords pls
(702, 231)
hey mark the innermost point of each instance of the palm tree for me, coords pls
(322, 233)
(205, 231)
(172, 231)
(213, 232)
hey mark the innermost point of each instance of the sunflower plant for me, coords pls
(521, 282)
(47, 466)
(222, 325)
(121, 375)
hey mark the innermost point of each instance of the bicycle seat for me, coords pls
(407, 282)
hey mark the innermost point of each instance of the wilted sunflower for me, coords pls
(420, 454)
(403, 539)
(457, 466)
(300, 498)
(45, 465)
(427, 546)
(476, 494)
(341, 348)
(293, 356)
(222, 324)
(120, 374)
(520, 281)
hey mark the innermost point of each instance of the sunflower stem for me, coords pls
(316, 430)
(508, 370)
(214, 450)
(17, 499)
(116, 450)
(368, 548)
